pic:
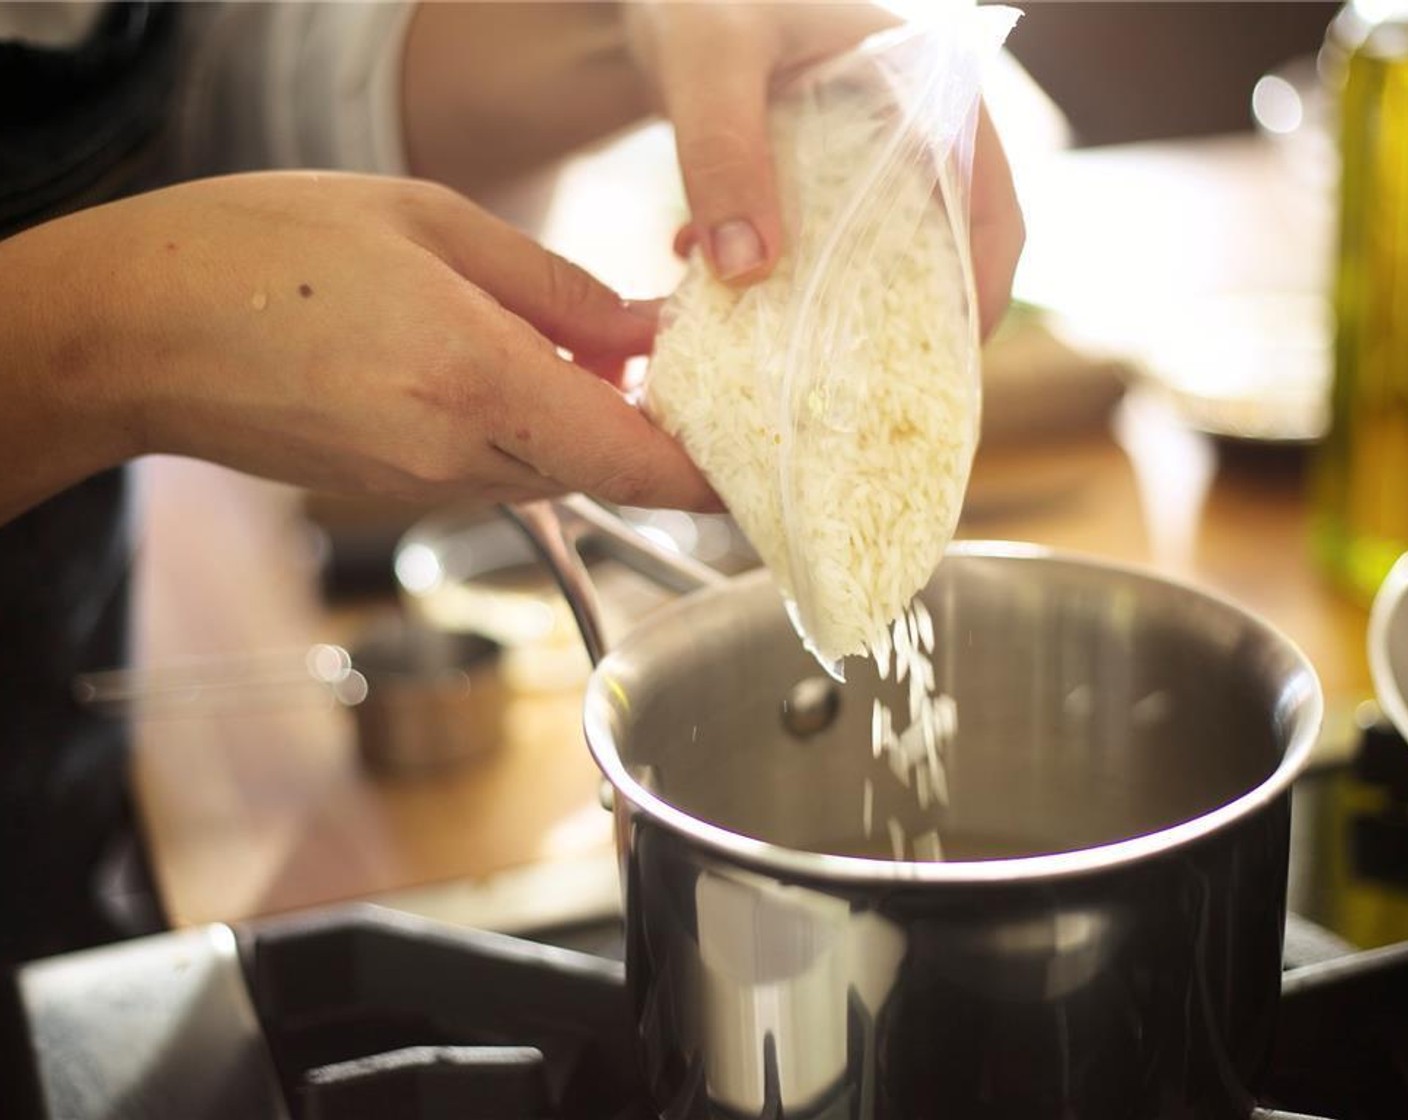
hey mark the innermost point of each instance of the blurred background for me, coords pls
(1125, 71)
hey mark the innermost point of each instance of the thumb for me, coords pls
(715, 89)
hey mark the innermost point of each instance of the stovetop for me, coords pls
(361, 1013)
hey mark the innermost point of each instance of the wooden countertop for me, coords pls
(257, 811)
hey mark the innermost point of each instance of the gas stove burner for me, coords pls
(363, 1013)
(1342, 1038)
(370, 1014)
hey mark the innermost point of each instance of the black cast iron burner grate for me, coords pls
(367, 1014)
(369, 1017)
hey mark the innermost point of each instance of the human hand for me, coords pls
(996, 230)
(494, 90)
(714, 64)
(334, 331)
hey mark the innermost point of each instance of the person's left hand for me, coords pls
(712, 66)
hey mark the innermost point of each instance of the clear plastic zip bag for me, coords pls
(834, 405)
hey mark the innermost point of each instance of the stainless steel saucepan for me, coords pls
(1103, 939)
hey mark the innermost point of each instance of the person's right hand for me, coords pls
(340, 332)
(715, 63)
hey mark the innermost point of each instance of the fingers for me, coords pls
(578, 431)
(714, 66)
(552, 416)
(685, 240)
(566, 303)
(714, 72)
(997, 229)
(515, 481)
(998, 232)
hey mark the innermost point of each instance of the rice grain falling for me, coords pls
(896, 837)
(916, 755)
(927, 845)
(834, 404)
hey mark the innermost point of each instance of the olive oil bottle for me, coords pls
(1361, 479)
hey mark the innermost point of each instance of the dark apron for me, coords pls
(77, 127)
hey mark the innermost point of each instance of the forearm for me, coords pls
(494, 91)
(61, 411)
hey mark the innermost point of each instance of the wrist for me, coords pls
(66, 408)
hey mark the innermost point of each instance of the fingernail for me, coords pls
(647, 309)
(737, 248)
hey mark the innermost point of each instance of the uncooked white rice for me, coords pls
(834, 405)
(916, 756)
(896, 837)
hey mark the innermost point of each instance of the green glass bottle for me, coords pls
(1361, 478)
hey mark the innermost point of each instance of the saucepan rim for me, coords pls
(793, 863)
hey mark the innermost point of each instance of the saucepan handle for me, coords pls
(557, 527)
